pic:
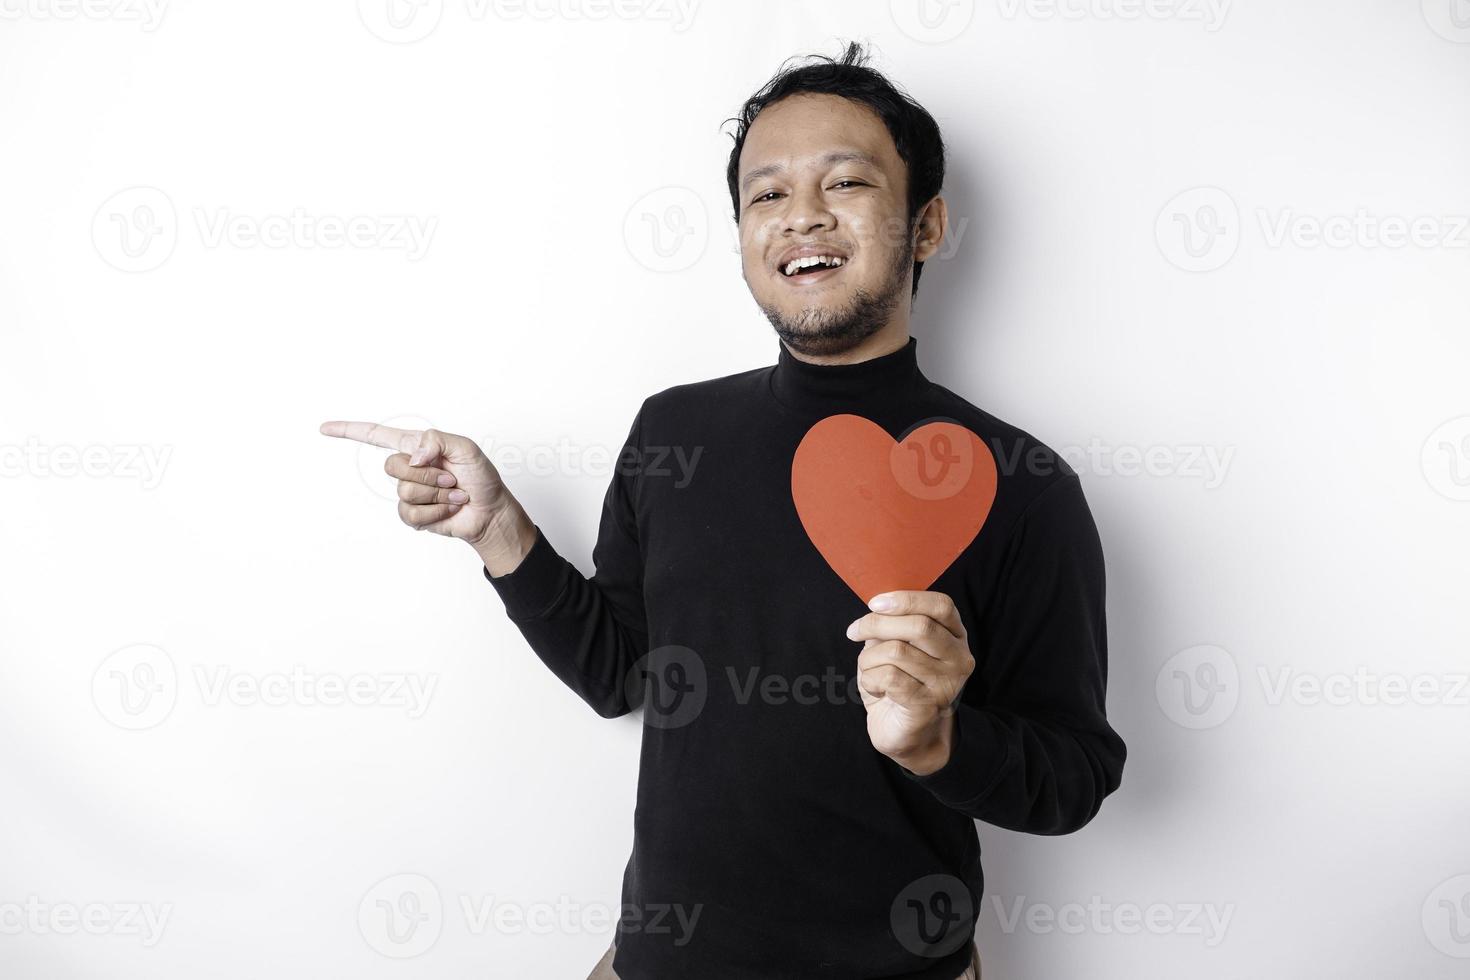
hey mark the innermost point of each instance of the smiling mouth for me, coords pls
(812, 269)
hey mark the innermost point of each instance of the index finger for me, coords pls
(916, 602)
(385, 436)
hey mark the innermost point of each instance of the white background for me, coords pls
(1132, 273)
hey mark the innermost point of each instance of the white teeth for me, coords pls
(811, 260)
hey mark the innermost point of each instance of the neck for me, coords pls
(884, 371)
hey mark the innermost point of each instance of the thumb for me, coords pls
(432, 445)
(437, 444)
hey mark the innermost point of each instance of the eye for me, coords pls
(849, 180)
(763, 197)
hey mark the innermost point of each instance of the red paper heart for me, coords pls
(891, 515)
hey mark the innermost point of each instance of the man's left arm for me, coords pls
(1026, 745)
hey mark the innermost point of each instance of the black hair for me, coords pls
(915, 133)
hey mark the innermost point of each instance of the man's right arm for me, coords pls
(591, 632)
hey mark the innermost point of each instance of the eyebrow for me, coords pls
(836, 156)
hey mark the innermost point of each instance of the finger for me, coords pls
(900, 655)
(386, 436)
(436, 443)
(906, 678)
(888, 681)
(921, 631)
(397, 465)
(942, 680)
(417, 493)
(936, 605)
(430, 447)
(420, 515)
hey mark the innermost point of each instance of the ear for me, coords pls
(931, 226)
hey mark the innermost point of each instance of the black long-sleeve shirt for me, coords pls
(771, 840)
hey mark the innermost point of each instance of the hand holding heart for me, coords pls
(914, 662)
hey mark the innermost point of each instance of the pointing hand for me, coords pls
(446, 484)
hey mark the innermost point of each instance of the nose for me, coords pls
(807, 211)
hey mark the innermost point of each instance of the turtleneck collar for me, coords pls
(804, 386)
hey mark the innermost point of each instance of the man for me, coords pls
(813, 756)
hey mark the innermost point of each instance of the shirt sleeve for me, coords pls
(1033, 751)
(589, 631)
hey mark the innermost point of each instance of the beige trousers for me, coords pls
(604, 971)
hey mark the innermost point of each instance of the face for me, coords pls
(819, 175)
